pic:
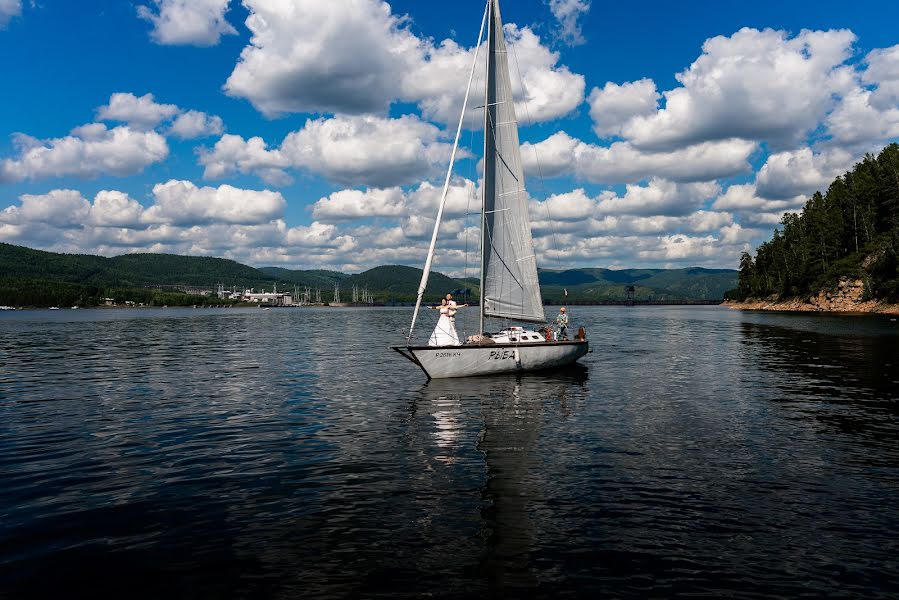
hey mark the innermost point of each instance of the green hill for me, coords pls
(598, 285)
(317, 278)
(397, 282)
(852, 230)
(37, 278)
(129, 270)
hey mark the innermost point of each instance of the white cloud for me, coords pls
(615, 105)
(233, 154)
(801, 172)
(60, 208)
(363, 150)
(138, 112)
(745, 198)
(660, 197)
(112, 208)
(183, 203)
(868, 115)
(560, 154)
(883, 71)
(355, 204)
(567, 13)
(192, 22)
(144, 113)
(357, 57)
(8, 10)
(195, 124)
(312, 56)
(368, 150)
(89, 151)
(753, 85)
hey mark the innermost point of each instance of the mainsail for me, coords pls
(509, 285)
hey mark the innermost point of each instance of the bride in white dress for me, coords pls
(445, 331)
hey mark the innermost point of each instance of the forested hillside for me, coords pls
(399, 283)
(599, 285)
(852, 230)
(37, 278)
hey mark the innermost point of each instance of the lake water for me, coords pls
(181, 453)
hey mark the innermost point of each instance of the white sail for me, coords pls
(510, 288)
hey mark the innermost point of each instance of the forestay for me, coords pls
(510, 286)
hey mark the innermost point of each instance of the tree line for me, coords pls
(852, 230)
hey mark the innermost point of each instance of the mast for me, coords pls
(487, 83)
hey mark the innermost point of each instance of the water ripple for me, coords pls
(246, 453)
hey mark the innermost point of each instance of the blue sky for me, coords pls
(668, 134)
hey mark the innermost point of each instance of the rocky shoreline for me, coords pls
(847, 298)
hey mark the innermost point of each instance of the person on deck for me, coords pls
(445, 331)
(562, 322)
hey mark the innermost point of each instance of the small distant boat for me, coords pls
(510, 290)
(7, 307)
(266, 308)
(75, 307)
(54, 308)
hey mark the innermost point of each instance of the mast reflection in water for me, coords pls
(512, 410)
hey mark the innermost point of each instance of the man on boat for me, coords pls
(562, 322)
(453, 307)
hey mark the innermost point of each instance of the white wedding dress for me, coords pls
(445, 331)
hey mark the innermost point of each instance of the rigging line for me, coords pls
(501, 259)
(501, 158)
(449, 171)
(552, 228)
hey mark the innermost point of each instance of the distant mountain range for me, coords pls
(36, 278)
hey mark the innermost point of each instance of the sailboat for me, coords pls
(510, 289)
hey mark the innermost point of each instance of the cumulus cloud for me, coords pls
(801, 172)
(355, 204)
(755, 85)
(615, 105)
(112, 208)
(369, 150)
(195, 124)
(311, 56)
(357, 57)
(60, 208)
(622, 162)
(351, 150)
(233, 154)
(141, 112)
(568, 13)
(144, 113)
(883, 71)
(744, 201)
(869, 113)
(660, 197)
(8, 10)
(183, 203)
(89, 151)
(187, 22)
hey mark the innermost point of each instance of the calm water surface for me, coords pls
(699, 451)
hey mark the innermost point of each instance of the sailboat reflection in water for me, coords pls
(509, 286)
(502, 416)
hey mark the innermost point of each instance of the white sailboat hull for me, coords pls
(440, 362)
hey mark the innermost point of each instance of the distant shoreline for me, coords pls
(379, 305)
(799, 305)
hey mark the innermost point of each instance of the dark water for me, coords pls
(287, 453)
